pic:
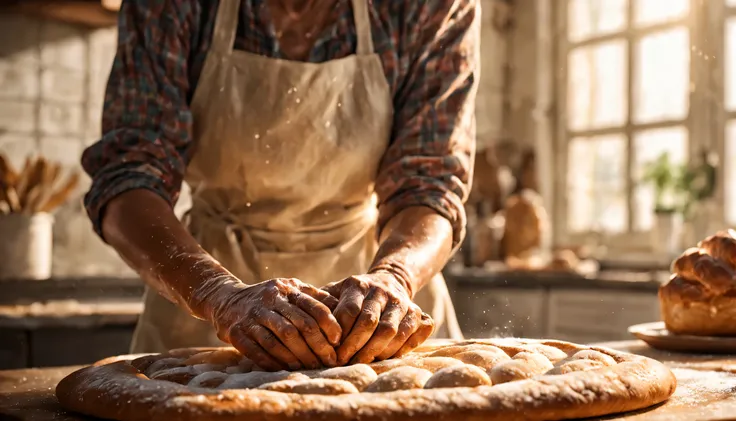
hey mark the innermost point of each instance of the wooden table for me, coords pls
(706, 390)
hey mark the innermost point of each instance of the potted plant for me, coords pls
(698, 182)
(666, 178)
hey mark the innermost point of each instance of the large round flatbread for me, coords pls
(497, 379)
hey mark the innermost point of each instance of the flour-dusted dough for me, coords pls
(459, 376)
(474, 380)
(400, 378)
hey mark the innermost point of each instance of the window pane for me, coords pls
(648, 146)
(729, 172)
(648, 12)
(597, 184)
(662, 76)
(730, 64)
(590, 18)
(596, 86)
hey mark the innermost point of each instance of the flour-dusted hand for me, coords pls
(377, 317)
(279, 324)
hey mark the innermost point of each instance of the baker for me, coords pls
(328, 147)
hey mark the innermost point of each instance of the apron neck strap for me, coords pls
(226, 25)
(362, 27)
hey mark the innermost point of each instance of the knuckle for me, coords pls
(269, 340)
(291, 282)
(403, 334)
(369, 318)
(352, 309)
(385, 328)
(298, 299)
(358, 282)
(271, 289)
(310, 328)
(410, 320)
(290, 333)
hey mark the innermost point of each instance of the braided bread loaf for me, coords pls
(700, 297)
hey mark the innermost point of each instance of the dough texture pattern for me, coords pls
(489, 379)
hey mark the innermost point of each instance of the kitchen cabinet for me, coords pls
(586, 316)
(484, 313)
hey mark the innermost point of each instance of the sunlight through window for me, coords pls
(597, 79)
(587, 19)
(597, 186)
(651, 12)
(662, 76)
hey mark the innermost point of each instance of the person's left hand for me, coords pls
(378, 318)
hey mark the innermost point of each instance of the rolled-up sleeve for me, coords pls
(429, 160)
(146, 122)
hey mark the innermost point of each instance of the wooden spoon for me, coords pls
(46, 188)
(62, 194)
(34, 185)
(7, 173)
(21, 185)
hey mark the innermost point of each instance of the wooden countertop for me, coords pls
(706, 390)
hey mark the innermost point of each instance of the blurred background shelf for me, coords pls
(89, 13)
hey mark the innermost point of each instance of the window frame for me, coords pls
(715, 17)
(698, 120)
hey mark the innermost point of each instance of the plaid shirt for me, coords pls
(429, 50)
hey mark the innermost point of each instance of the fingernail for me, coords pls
(332, 360)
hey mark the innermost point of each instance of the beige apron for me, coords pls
(283, 175)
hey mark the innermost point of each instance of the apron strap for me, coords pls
(363, 27)
(226, 25)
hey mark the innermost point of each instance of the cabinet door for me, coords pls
(599, 315)
(492, 312)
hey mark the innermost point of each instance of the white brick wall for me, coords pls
(52, 77)
(522, 92)
(490, 102)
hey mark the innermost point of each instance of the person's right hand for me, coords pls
(279, 324)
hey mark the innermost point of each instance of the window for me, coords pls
(624, 100)
(729, 105)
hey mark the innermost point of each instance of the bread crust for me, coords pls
(117, 390)
(700, 297)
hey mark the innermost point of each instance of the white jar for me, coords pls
(26, 243)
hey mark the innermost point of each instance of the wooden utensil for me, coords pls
(10, 197)
(61, 195)
(46, 188)
(22, 183)
(34, 188)
(34, 185)
(7, 172)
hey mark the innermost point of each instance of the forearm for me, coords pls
(142, 227)
(415, 245)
